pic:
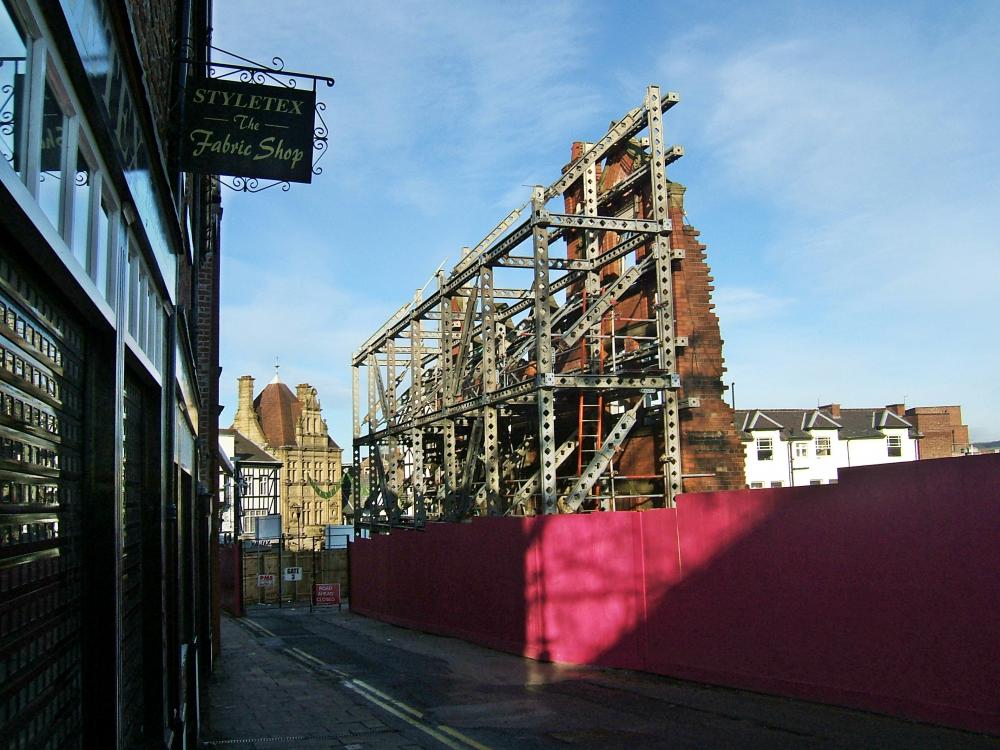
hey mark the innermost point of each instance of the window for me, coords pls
(55, 126)
(99, 260)
(777, 484)
(895, 446)
(756, 485)
(142, 310)
(765, 449)
(117, 249)
(823, 446)
(82, 190)
(132, 310)
(13, 74)
(801, 450)
(815, 481)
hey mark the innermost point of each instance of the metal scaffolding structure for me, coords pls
(543, 360)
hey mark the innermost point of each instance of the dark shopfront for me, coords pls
(105, 563)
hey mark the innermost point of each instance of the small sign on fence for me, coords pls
(265, 579)
(326, 593)
(293, 574)
(338, 535)
(268, 527)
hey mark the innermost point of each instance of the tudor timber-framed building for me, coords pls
(109, 331)
(582, 375)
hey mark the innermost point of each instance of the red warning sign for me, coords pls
(326, 593)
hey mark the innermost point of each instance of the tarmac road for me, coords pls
(440, 692)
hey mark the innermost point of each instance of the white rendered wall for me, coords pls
(767, 472)
(876, 450)
(811, 467)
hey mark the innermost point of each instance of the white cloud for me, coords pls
(306, 320)
(847, 155)
(737, 305)
(870, 145)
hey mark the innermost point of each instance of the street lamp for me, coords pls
(296, 508)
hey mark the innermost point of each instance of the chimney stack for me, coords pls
(833, 409)
(245, 394)
(898, 409)
(246, 418)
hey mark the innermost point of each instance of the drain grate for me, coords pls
(296, 737)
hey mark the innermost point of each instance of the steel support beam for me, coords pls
(531, 487)
(578, 493)
(665, 323)
(491, 421)
(416, 408)
(501, 380)
(543, 359)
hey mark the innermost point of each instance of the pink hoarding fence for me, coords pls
(881, 592)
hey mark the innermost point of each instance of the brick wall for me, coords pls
(155, 23)
(944, 435)
(205, 320)
(710, 446)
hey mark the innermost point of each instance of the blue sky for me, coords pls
(841, 164)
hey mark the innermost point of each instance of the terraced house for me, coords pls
(793, 447)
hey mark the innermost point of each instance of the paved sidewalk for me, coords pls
(263, 695)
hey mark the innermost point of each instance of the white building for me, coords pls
(794, 447)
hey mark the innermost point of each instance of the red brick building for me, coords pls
(942, 434)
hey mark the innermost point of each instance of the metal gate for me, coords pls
(40, 474)
(313, 564)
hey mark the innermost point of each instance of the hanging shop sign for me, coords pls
(248, 130)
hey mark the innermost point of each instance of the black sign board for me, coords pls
(248, 130)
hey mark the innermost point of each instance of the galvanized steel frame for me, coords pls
(450, 386)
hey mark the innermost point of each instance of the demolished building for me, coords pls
(570, 362)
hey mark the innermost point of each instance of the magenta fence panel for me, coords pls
(881, 592)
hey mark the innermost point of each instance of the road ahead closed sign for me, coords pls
(326, 593)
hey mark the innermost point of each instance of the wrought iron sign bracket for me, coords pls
(235, 67)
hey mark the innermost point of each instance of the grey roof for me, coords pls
(792, 423)
(247, 451)
(869, 423)
(796, 424)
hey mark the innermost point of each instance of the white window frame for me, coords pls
(765, 445)
(34, 71)
(824, 447)
(93, 204)
(63, 221)
(44, 68)
(894, 442)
